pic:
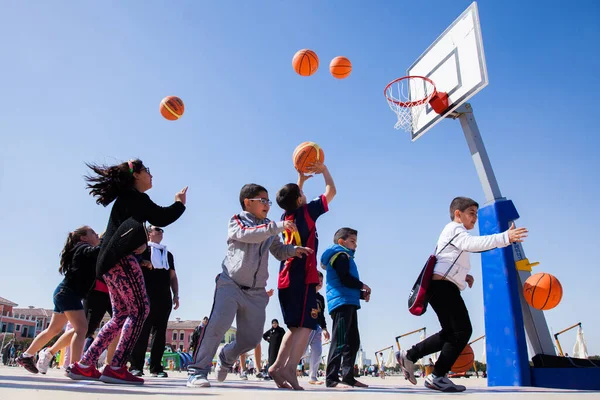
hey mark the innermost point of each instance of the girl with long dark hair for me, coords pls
(125, 236)
(78, 265)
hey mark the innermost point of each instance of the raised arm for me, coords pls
(330, 190)
(241, 232)
(466, 242)
(157, 215)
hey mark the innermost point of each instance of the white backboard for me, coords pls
(455, 62)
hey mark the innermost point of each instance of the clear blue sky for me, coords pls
(83, 82)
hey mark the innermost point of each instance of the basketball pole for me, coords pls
(504, 271)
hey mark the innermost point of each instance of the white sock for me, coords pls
(82, 365)
(27, 355)
(114, 368)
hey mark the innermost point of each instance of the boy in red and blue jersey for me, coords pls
(298, 278)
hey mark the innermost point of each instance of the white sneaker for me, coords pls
(244, 375)
(197, 380)
(442, 384)
(408, 367)
(44, 360)
(221, 372)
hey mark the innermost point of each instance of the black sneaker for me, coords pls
(161, 374)
(136, 372)
(28, 363)
(332, 383)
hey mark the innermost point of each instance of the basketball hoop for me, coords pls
(400, 94)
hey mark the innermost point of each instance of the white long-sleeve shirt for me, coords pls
(467, 244)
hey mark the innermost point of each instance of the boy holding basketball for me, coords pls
(240, 289)
(298, 277)
(450, 276)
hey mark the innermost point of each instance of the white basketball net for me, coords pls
(413, 94)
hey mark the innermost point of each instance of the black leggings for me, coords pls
(96, 305)
(446, 301)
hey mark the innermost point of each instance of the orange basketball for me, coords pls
(340, 67)
(542, 291)
(305, 154)
(465, 360)
(305, 62)
(171, 107)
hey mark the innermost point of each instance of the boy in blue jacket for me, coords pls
(344, 293)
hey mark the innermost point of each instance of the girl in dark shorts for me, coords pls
(78, 265)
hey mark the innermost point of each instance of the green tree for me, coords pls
(481, 367)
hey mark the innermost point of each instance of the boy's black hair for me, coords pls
(274, 321)
(287, 197)
(320, 274)
(249, 191)
(461, 204)
(344, 233)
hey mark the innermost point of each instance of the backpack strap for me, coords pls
(447, 244)
(455, 260)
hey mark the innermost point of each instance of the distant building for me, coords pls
(179, 333)
(16, 323)
(41, 316)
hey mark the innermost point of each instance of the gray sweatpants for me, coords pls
(249, 309)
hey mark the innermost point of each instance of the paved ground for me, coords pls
(16, 383)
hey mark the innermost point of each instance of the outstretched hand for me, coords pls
(181, 195)
(516, 234)
(302, 251)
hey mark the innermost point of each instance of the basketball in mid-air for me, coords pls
(171, 107)
(340, 67)
(305, 62)
(542, 291)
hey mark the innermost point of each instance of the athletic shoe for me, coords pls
(27, 363)
(331, 384)
(197, 380)
(161, 374)
(316, 382)
(408, 367)
(442, 384)
(79, 373)
(243, 375)
(136, 372)
(120, 376)
(222, 372)
(45, 357)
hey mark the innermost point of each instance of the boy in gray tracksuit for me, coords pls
(240, 290)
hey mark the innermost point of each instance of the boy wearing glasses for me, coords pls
(298, 278)
(240, 288)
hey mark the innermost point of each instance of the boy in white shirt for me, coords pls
(450, 276)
